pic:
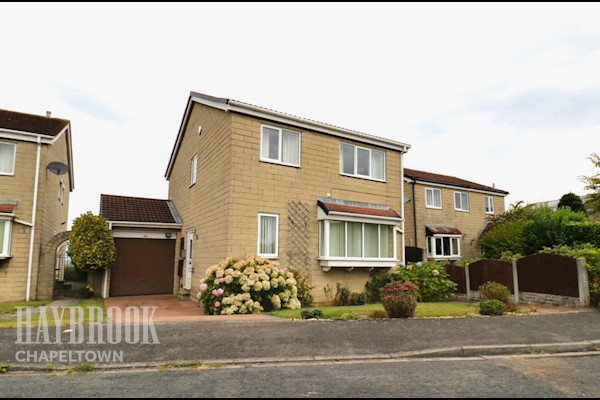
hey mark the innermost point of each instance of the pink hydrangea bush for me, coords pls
(247, 286)
(399, 299)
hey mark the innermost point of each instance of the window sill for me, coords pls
(266, 160)
(433, 208)
(5, 257)
(363, 177)
(326, 264)
(444, 258)
(268, 257)
(458, 209)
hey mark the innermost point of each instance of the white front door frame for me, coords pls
(189, 269)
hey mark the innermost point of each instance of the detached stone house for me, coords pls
(445, 215)
(36, 178)
(250, 180)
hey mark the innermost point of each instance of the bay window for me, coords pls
(443, 246)
(5, 232)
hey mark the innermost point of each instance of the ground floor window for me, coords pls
(5, 233)
(440, 246)
(268, 229)
(347, 239)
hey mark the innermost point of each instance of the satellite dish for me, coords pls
(58, 168)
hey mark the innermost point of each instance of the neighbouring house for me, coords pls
(250, 180)
(145, 232)
(36, 178)
(445, 215)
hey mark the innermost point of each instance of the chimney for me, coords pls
(48, 114)
(494, 185)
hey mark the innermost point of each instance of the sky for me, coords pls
(499, 94)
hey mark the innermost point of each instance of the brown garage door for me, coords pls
(143, 266)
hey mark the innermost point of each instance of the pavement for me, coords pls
(184, 337)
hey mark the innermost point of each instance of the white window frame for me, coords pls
(61, 191)
(433, 190)
(491, 203)
(280, 150)
(266, 255)
(5, 250)
(356, 174)
(193, 170)
(328, 261)
(14, 159)
(432, 247)
(460, 207)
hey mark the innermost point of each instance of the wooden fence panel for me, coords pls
(548, 273)
(457, 275)
(486, 270)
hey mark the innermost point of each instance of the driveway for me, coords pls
(171, 309)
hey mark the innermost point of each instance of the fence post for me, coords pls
(467, 282)
(582, 281)
(515, 280)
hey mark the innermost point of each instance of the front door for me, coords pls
(188, 259)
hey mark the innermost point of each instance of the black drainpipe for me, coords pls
(415, 214)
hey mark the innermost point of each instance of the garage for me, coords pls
(143, 266)
(145, 232)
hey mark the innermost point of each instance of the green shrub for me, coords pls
(311, 313)
(430, 277)
(87, 292)
(378, 314)
(582, 232)
(346, 297)
(247, 286)
(91, 244)
(505, 237)
(492, 307)
(548, 228)
(378, 281)
(304, 287)
(399, 299)
(494, 291)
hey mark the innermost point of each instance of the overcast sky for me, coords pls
(504, 94)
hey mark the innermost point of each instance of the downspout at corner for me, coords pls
(403, 258)
(414, 206)
(33, 215)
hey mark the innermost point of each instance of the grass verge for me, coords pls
(443, 309)
(9, 320)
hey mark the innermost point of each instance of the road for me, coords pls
(515, 376)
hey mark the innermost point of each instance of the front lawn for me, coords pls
(11, 307)
(445, 309)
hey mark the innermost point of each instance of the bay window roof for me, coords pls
(332, 207)
(431, 230)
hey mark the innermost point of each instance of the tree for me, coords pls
(593, 184)
(572, 201)
(91, 244)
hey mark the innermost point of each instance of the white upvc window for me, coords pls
(5, 233)
(268, 235)
(280, 146)
(193, 169)
(357, 242)
(461, 201)
(7, 158)
(489, 205)
(362, 162)
(61, 191)
(433, 198)
(443, 246)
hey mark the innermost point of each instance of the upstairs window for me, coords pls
(489, 205)
(461, 201)
(433, 198)
(280, 146)
(362, 162)
(193, 169)
(7, 158)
